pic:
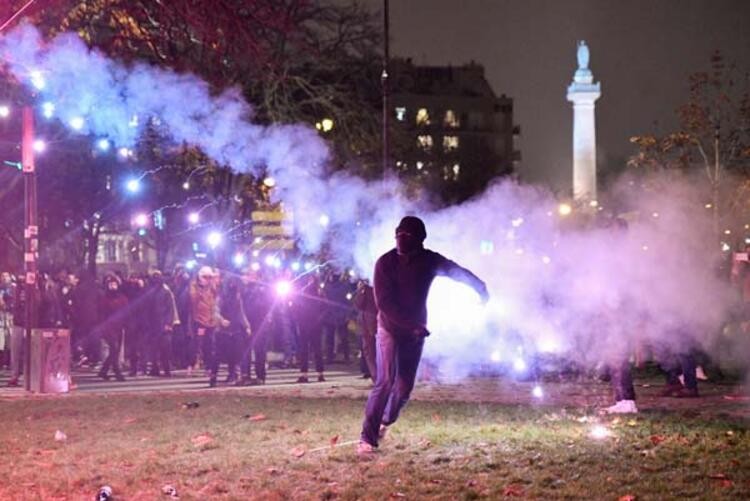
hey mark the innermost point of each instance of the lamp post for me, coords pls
(30, 235)
(384, 82)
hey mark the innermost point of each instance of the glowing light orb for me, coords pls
(77, 123)
(296, 266)
(48, 109)
(103, 144)
(546, 260)
(37, 80)
(140, 219)
(276, 262)
(708, 206)
(39, 146)
(453, 308)
(519, 365)
(326, 124)
(324, 220)
(517, 222)
(239, 260)
(125, 152)
(352, 274)
(269, 182)
(185, 186)
(269, 260)
(214, 239)
(727, 232)
(255, 266)
(133, 185)
(4, 111)
(309, 266)
(655, 215)
(725, 247)
(194, 218)
(599, 432)
(496, 356)
(594, 203)
(644, 248)
(564, 209)
(349, 296)
(537, 392)
(191, 264)
(256, 253)
(283, 288)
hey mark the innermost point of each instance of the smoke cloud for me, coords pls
(592, 292)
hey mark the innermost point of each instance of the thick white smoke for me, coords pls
(591, 293)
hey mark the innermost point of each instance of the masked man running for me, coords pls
(402, 281)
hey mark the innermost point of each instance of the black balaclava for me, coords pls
(410, 233)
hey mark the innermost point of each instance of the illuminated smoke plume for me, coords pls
(591, 294)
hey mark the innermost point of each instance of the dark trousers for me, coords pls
(622, 381)
(208, 348)
(368, 364)
(310, 340)
(332, 329)
(239, 353)
(161, 351)
(397, 363)
(682, 363)
(134, 349)
(259, 344)
(113, 340)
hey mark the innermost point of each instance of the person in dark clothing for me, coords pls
(238, 331)
(402, 281)
(136, 326)
(309, 313)
(85, 302)
(364, 302)
(183, 342)
(257, 299)
(335, 321)
(163, 319)
(113, 310)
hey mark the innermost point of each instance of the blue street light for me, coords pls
(133, 185)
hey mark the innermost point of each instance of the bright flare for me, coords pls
(599, 432)
(141, 220)
(39, 146)
(324, 220)
(37, 80)
(495, 356)
(283, 288)
(4, 111)
(537, 392)
(103, 144)
(519, 365)
(214, 239)
(133, 185)
(77, 123)
(194, 218)
(48, 109)
(239, 260)
(270, 182)
(564, 209)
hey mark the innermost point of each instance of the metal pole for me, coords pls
(384, 81)
(30, 235)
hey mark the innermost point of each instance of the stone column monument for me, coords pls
(583, 92)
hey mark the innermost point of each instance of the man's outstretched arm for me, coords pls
(458, 273)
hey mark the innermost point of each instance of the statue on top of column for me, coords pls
(583, 55)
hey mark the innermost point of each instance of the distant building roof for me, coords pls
(466, 81)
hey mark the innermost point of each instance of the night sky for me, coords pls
(641, 51)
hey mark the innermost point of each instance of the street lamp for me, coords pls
(214, 239)
(194, 218)
(39, 145)
(141, 220)
(133, 185)
(564, 209)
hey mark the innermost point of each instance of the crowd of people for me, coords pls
(154, 324)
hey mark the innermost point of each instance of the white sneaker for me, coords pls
(365, 449)
(382, 432)
(622, 407)
(700, 374)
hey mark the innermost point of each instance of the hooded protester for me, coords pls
(364, 302)
(237, 333)
(309, 314)
(402, 281)
(113, 309)
(164, 318)
(204, 313)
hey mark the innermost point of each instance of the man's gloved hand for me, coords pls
(484, 295)
(421, 332)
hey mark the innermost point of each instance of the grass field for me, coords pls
(235, 446)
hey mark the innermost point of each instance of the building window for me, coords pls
(400, 113)
(424, 142)
(451, 120)
(110, 251)
(456, 170)
(423, 117)
(420, 165)
(450, 143)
